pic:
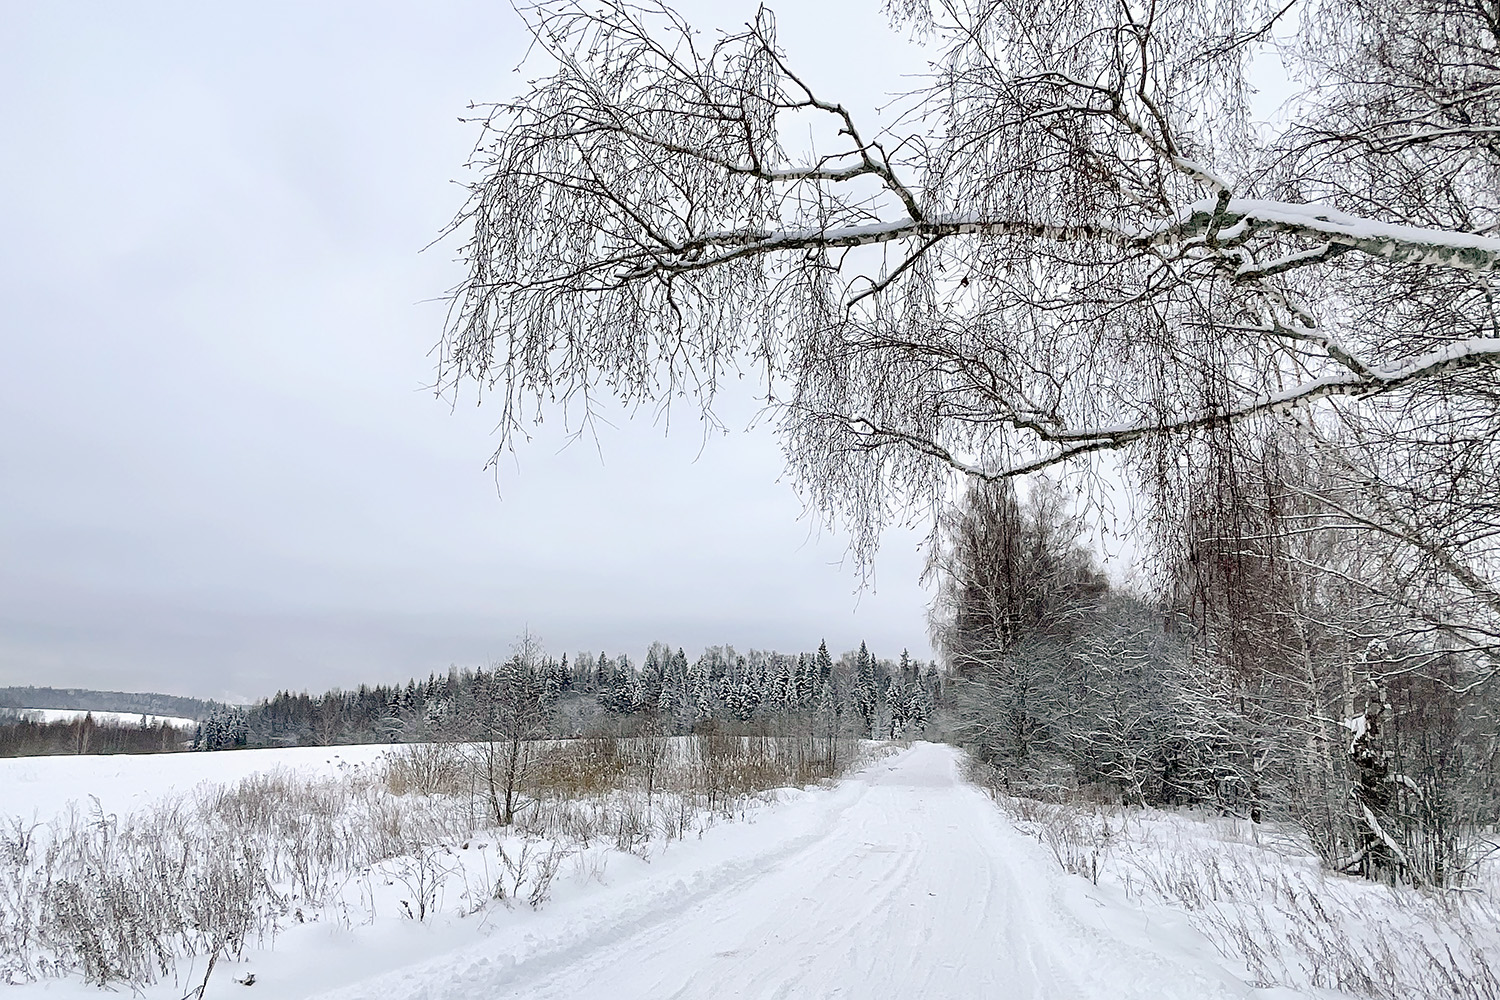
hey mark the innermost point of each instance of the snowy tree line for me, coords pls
(21, 736)
(1254, 682)
(30, 738)
(853, 695)
(88, 700)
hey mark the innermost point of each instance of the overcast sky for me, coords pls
(219, 473)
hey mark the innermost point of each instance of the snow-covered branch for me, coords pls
(1075, 240)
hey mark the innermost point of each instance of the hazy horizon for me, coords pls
(224, 474)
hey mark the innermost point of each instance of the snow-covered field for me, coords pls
(39, 788)
(899, 881)
(102, 718)
(307, 866)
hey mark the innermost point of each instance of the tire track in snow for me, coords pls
(601, 923)
(905, 882)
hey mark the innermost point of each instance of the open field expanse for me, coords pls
(41, 787)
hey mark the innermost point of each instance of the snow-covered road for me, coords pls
(903, 882)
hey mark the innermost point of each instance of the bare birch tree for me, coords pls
(1077, 241)
(511, 707)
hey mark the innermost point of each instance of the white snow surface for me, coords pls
(903, 881)
(39, 788)
(899, 881)
(102, 718)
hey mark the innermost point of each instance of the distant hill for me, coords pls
(128, 702)
(99, 716)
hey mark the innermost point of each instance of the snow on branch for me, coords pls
(1404, 244)
(1069, 240)
(1079, 442)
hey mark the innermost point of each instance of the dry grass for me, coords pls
(124, 899)
(1257, 892)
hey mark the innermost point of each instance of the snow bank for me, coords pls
(1266, 904)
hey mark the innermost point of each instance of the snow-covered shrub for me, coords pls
(426, 769)
(1259, 893)
(1262, 897)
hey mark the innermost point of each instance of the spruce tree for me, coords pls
(896, 702)
(866, 691)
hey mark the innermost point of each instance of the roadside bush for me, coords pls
(1259, 893)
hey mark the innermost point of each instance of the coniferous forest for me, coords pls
(854, 695)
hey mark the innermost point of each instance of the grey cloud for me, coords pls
(219, 471)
